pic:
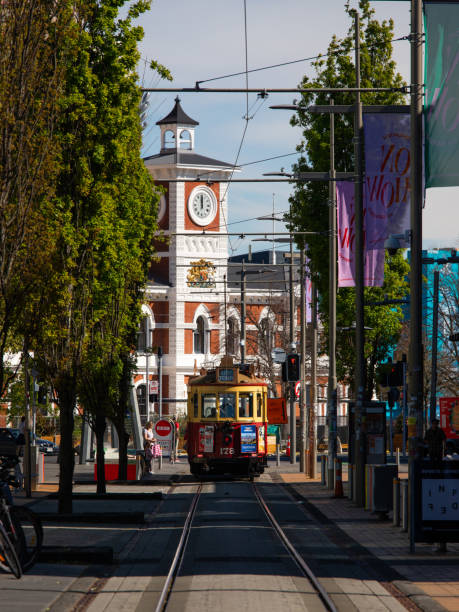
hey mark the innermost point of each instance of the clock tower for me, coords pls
(185, 288)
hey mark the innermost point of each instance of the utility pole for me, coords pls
(303, 406)
(433, 384)
(415, 358)
(332, 382)
(160, 381)
(291, 385)
(359, 446)
(147, 366)
(313, 387)
(242, 341)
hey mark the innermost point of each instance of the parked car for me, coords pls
(47, 447)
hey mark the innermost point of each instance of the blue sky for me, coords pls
(202, 39)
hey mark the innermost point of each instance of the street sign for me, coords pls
(297, 388)
(154, 386)
(278, 355)
(164, 433)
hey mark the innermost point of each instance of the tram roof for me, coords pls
(210, 378)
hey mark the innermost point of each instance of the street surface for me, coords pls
(233, 559)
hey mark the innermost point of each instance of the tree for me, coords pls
(31, 81)
(309, 210)
(108, 205)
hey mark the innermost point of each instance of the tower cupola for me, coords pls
(177, 130)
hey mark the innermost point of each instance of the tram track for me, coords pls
(294, 555)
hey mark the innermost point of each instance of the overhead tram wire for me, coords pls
(245, 127)
(304, 59)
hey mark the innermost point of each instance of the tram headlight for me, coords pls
(227, 439)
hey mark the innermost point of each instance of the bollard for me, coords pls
(404, 496)
(278, 455)
(396, 502)
(338, 479)
(350, 481)
(397, 457)
(323, 471)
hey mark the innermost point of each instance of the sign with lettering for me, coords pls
(386, 206)
(437, 501)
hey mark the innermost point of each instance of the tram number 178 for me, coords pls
(227, 451)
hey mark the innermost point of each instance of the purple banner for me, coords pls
(387, 176)
(386, 207)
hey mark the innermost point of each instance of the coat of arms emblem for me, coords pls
(201, 274)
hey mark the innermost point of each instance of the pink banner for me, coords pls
(374, 258)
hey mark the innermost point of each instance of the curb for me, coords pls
(93, 517)
(108, 496)
(87, 555)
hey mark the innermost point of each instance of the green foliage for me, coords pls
(309, 209)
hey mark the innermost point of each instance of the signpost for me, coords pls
(164, 434)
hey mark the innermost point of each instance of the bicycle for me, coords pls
(22, 526)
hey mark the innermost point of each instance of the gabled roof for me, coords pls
(178, 116)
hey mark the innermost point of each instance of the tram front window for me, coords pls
(246, 405)
(227, 403)
(209, 406)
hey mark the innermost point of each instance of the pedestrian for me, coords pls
(148, 438)
(435, 439)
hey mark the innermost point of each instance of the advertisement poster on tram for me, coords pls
(206, 439)
(248, 439)
(261, 440)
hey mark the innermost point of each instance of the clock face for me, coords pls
(202, 206)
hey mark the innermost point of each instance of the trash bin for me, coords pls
(378, 487)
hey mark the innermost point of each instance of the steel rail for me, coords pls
(304, 567)
(176, 561)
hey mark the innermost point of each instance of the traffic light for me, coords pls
(293, 367)
(390, 374)
(396, 374)
(42, 394)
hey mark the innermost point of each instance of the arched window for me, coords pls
(265, 336)
(169, 139)
(199, 336)
(232, 337)
(142, 401)
(142, 335)
(185, 140)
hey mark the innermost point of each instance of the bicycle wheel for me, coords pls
(8, 557)
(30, 535)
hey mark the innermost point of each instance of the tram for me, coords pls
(227, 421)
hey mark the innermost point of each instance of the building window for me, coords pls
(232, 338)
(265, 336)
(185, 140)
(142, 338)
(199, 336)
(142, 400)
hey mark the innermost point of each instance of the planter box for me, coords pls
(111, 471)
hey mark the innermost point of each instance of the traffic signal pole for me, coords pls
(359, 442)
(332, 382)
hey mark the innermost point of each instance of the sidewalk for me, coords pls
(429, 579)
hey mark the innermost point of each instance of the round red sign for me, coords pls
(163, 428)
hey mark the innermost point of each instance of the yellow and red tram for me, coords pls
(227, 421)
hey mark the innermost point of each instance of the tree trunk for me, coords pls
(67, 396)
(123, 439)
(99, 429)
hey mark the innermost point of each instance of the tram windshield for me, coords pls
(245, 405)
(209, 406)
(227, 403)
